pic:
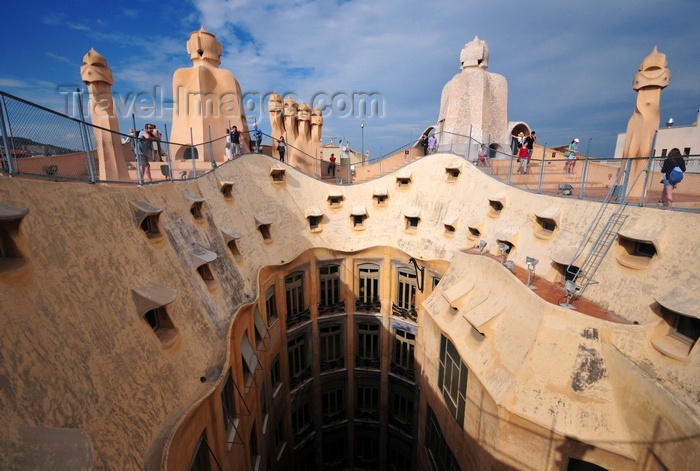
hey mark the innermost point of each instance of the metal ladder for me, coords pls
(585, 273)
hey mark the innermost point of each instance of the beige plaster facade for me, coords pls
(544, 384)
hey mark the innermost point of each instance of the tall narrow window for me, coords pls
(441, 457)
(406, 294)
(200, 459)
(299, 369)
(452, 379)
(402, 361)
(253, 447)
(367, 402)
(368, 295)
(228, 405)
(368, 345)
(294, 285)
(331, 347)
(301, 423)
(271, 305)
(334, 404)
(329, 297)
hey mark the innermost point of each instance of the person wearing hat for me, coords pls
(571, 155)
(257, 139)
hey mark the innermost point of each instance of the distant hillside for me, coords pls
(37, 148)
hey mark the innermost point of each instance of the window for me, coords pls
(581, 465)
(207, 276)
(449, 230)
(547, 224)
(233, 247)
(402, 361)
(367, 451)
(314, 222)
(275, 376)
(196, 211)
(200, 459)
(686, 329)
(334, 452)
(636, 254)
(452, 379)
(253, 447)
(380, 199)
(331, 345)
(474, 232)
(402, 411)
(249, 360)
(228, 405)
(264, 230)
(301, 422)
(412, 222)
(403, 182)
(149, 226)
(161, 324)
(367, 402)
(330, 286)
(439, 453)
(271, 305)
(279, 437)
(335, 201)
(368, 280)
(368, 345)
(406, 294)
(452, 174)
(294, 285)
(334, 405)
(227, 190)
(277, 175)
(299, 369)
(496, 207)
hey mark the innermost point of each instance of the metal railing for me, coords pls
(41, 143)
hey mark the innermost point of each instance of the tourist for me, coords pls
(257, 139)
(481, 156)
(227, 148)
(148, 137)
(571, 156)
(530, 141)
(517, 142)
(281, 148)
(424, 143)
(331, 166)
(673, 169)
(235, 141)
(432, 144)
(523, 159)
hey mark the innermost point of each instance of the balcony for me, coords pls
(298, 318)
(406, 373)
(410, 314)
(327, 309)
(371, 363)
(368, 305)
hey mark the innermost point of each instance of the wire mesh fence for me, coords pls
(40, 143)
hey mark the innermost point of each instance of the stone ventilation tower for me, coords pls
(99, 80)
(207, 99)
(475, 101)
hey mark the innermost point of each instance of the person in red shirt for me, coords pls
(331, 166)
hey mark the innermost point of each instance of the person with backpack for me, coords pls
(673, 169)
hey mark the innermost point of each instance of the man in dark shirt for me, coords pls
(235, 141)
(673, 160)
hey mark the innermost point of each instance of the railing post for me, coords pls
(584, 175)
(544, 158)
(137, 148)
(86, 139)
(647, 177)
(193, 155)
(167, 154)
(6, 146)
(211, 149)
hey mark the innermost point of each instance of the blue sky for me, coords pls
(569, 66)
